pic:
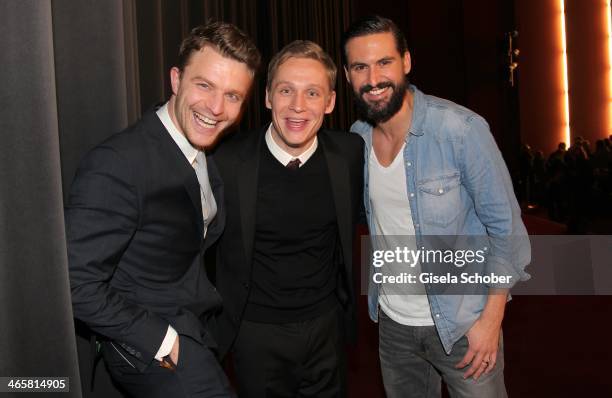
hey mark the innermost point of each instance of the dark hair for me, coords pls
(302, 49)
(226, 38)
(370, 25)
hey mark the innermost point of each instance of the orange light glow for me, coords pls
(566, 115)
(608, 12)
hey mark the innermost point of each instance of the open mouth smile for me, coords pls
(296, 124)
(377, 92)
(204, 121)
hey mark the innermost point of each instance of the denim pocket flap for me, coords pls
(440, 185)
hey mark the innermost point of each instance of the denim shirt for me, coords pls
(458, 184)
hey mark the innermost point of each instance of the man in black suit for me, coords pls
(293, 194)
(143, 208)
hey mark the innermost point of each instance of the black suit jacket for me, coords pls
(134, 234)
(238, 162)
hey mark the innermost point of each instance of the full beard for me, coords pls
(378, 112)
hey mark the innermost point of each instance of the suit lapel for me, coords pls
(247, 177)
(177, 164)
(340, 183)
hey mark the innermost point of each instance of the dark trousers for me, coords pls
(298, 359)
(198, 374)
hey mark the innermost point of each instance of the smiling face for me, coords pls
(377, 72)
(208, 95)
(299, 97)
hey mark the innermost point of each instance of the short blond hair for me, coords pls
(302, 49)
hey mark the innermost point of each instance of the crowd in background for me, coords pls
(573, 184)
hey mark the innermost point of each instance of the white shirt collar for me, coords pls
(182, 142)
(282, 156)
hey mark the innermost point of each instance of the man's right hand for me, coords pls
(170, 361)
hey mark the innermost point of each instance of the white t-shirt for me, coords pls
(405, 303)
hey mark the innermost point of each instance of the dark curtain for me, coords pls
(271, 23)
(36, 327)
(70, 79)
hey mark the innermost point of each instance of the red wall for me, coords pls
(588, 63)
(539, 72)
(540, 87)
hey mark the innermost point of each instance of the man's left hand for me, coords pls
(483, 344)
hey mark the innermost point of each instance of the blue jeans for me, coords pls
(413, 362)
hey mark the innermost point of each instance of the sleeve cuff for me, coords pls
(166, 345)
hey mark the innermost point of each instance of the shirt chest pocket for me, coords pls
(440, 200)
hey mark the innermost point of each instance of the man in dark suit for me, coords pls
(293, 194)
(143, 208)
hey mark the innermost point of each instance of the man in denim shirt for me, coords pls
(432, 169)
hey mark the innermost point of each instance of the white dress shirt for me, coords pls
(282, 156)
